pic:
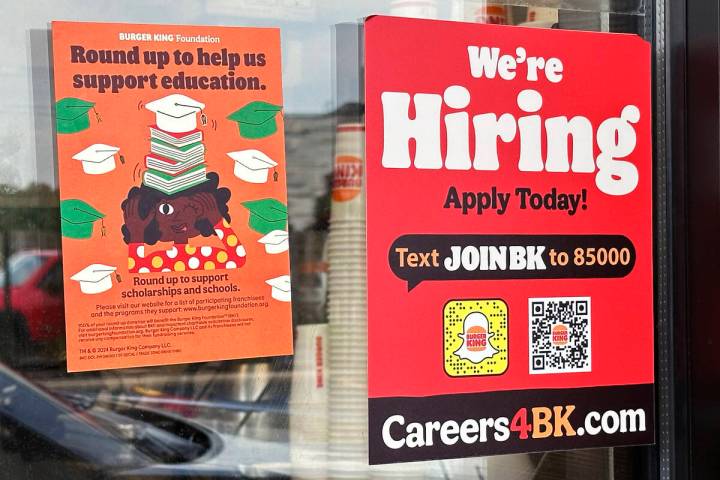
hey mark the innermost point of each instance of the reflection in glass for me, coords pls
(262, 418)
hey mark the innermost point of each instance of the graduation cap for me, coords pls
(280, 288)
(77, 218)
(95, 278)
(97, 158)
(266, 215)
(71, 115)
(176, 113)
(256, 119)
(276, 241)
(252, 165)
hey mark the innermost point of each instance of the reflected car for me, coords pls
(36, 308)
(50, 436)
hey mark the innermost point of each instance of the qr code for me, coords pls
(559, 334)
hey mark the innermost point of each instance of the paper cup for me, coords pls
(355, 329)
(347, 416)
(355, 358)
(356, 295)
(355, 350)
(345, 398)
(336, 226)
(339, 285)
(349, 329)
(336, 289)
(343, 331)
(340, 302)
(352, 308)
(348, 183)
(347, 281)
(354, 401)
(351, 313)
(354, 231)
(352, 373)
(347, 273)
(337, 233)
(347, 305)
(348, 269)
(347, 383)
(340, 443)
(353, 295)
(343, 339)
(339, 239)
(351, 377)
(348, 249)
(348, 317)
(350, 263)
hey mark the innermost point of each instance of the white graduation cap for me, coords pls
(276, 241)
(176, 113)
(280, 288)
(252, 165)
(95, 278)
(97, 158)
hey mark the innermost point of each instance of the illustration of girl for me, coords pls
(152, 216)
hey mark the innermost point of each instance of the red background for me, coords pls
(602, 73)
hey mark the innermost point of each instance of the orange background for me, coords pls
(125, 124)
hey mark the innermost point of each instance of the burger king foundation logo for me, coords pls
(475, 334)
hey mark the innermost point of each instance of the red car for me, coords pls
(36, 300)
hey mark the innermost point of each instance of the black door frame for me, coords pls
(688, 141)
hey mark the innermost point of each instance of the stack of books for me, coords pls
(176, 160)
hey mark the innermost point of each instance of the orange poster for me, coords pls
(173, 207)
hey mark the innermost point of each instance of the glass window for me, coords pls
(258, 418)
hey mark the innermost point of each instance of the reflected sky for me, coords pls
(26, 144)
(25, 136)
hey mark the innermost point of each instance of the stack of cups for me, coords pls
(541, 17)
(309, 390)
(493, 13)
(347, 308)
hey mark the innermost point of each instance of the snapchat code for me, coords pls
(560, 335)
(475, 337)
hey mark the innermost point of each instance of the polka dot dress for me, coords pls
(180, 258)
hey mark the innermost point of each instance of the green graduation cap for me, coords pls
(71, 115)
(266, 215)
(256, 119)
(77, 218)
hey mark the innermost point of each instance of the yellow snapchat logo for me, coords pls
(475, 336)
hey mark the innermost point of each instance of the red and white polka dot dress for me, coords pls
(187, 257)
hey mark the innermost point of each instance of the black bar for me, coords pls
(460, 407)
